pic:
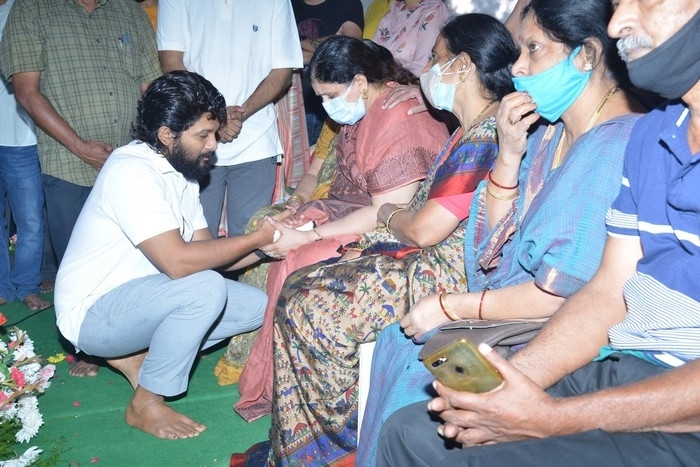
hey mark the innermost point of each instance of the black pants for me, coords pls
(409, 437)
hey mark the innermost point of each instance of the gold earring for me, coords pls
(464, 74)
(363, 93)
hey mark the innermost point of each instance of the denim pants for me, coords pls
(173, 319)
(20, 182)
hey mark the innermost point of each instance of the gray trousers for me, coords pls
(64, 201)
(173, 319)
(248, 187)
(409, 437)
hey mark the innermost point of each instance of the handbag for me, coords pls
(501, 335)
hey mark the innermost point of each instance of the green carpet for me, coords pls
(85, 416)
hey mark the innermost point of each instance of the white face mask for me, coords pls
(440, 95)
(344, 112)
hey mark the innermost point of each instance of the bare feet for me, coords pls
(129, 366)
(35, 302)
(147, 412)
(47, 286)
(84, 366)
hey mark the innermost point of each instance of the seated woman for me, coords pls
(409, 30)
(381, 155)
(326, 310)
(536, 229)
(313, 185)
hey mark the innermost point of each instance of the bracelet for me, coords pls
(318, 235)
(295, 198)
(391, 216)
(500, 197)
(481, 303)
(502, 187)
(446, 309)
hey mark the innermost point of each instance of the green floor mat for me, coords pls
(85, 416)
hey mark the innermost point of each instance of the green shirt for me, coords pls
(92, 66)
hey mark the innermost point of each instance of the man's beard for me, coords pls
(194, 170)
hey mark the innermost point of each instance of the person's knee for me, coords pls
(394, 431)
(208, 289)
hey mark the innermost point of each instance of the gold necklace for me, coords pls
(591, 122)
(477, 119)
(601, 106)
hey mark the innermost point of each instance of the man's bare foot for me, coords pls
(129, 366)
(147, 412)
(35, 302)
(84, 366)
(47, 286)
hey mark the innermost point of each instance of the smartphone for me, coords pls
(459, 365)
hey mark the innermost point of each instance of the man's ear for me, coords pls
(166, 136)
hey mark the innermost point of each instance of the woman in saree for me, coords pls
(313, 185)
(536, 229)
(327, 310)
(381, 157)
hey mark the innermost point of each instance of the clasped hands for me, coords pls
(234, 123)
(286, 224)
(517, 409)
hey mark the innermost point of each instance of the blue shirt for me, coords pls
(659, 203)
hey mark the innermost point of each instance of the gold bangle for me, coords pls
(445, 309)
(391, 216)
(295, 198)
(500, 197)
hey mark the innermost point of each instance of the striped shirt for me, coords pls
(659, 204)
(92, 66)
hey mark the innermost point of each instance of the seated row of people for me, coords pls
(499, 228)
(525, 238)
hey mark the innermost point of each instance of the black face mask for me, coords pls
(671, 69)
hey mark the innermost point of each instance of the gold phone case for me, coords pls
(459, 365)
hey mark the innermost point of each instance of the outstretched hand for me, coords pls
(517, 409)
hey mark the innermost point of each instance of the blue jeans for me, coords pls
(173, 319)
(20, 181)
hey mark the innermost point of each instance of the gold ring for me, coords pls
(513, 122)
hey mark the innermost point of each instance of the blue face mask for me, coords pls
(555, 89)
(440, 95)
(344, 112)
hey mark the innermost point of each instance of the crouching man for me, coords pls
(137, 285)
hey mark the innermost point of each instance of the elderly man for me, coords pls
(637, 403)
(136, 285)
